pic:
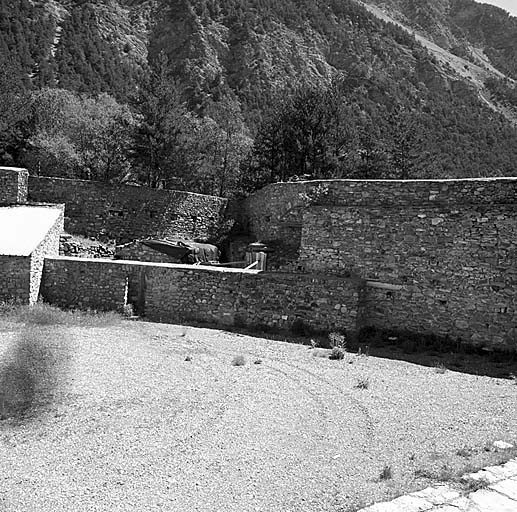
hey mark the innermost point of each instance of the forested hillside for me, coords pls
(224, 96)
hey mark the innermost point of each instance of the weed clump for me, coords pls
(473, 485)
(238, 361)
(440, 368)
(363, 383)
(337, 343)
(337, 353)
(386, 473)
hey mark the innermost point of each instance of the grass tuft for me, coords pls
(464, 452)
(472, 485)
(440, 368)
(386, 473)
(363, 383)
(337, 353)
(238, 361)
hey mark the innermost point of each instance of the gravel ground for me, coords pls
(134, 426)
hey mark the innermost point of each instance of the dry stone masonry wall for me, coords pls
(124, 213)
(183, 293)
(47, 248)
(449, 248)
(13, 185)
(85, 283)
(15, 278)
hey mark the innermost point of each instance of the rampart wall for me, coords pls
(449, 247)
(124, 213)
(183, 293)
(13, 185)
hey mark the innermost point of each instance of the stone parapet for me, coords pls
(125, 213)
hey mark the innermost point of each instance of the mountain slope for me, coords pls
(439, 73)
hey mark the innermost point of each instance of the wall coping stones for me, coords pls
(444, 180)
(384, 286)
(123, 186)
(177, 266)
(13, 169)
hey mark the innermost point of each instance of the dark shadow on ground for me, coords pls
(31, 373)
(426, 350)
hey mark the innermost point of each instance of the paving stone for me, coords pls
(403, 504)
(463, 504)
(507, 487)
(507, 470)
(482, 475)
(503, 445)
(488, 500)
(437, 495)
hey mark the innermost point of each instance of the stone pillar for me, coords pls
(13, 185)
(257, 252)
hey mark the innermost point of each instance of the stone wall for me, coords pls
(85, 283)
(182, 293)
(250, 298)
(124, 213)
(15, 278)
(278, 207)
(47, 248)
(449, 245)
(452, 248)
(13, 185)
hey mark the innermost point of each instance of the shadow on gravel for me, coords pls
(31, 372)
(439, 352)
(426, 350)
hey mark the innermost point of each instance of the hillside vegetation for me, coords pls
(224, 96)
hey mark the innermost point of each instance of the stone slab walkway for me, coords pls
(497, 493)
